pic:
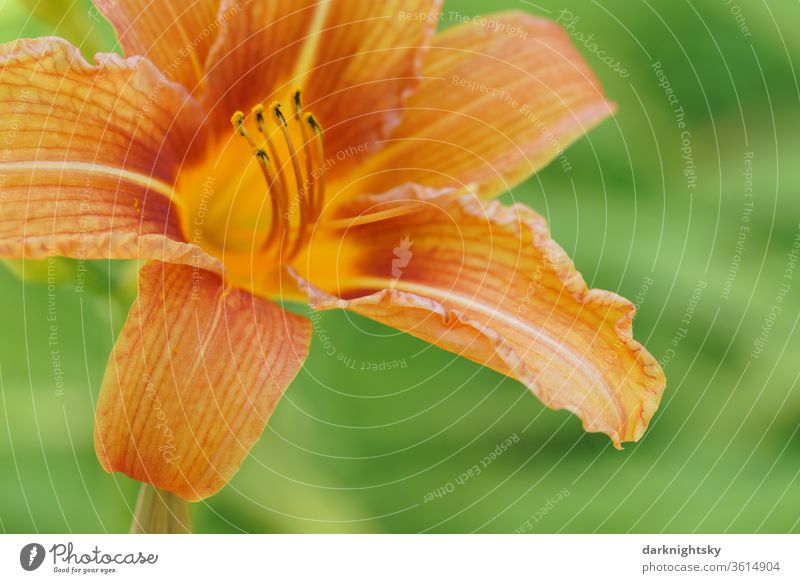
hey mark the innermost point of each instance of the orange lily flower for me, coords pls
(385, 211)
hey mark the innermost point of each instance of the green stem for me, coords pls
(160, 512)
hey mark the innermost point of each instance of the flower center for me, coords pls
(294, 188)
(253, 202)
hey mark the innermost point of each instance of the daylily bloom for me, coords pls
(336, 152)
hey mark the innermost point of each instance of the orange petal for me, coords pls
(193, 378)
(356, 61)
(176, 36)
(486, 281)
(501, 98)
(88, 154)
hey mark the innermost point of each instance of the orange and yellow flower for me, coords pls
(385, 212)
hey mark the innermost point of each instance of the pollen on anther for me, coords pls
(237, 118)
(312, 121)
(276, 111)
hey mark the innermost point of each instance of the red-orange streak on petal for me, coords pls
(175, 36)
(369, 63)
(196, 372)
(255, 52)
(357, 63)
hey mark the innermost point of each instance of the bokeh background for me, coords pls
(363, 451)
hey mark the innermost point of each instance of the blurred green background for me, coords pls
(360, 451)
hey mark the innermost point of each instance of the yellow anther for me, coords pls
(312, 121)
(298, 101)
(277, 113)
(237, 119)
(258, 111)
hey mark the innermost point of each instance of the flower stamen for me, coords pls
(311, 176)
(308, 185)
(300, 202)
(317, 178)
(275, 186)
